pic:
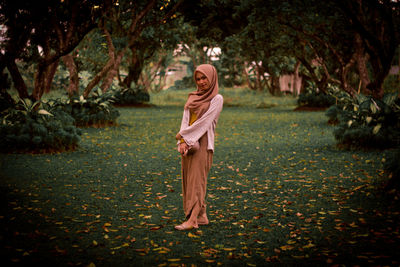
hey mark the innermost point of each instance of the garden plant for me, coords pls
(280, 192)
(89, 178)
(35, 127)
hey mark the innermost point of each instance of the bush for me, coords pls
(364, 122)
(131, 96)
(185, 83)
(94, 111)
(333, 113)
(27, 127)
(316, 100)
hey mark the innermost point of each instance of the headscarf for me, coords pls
(199, 100)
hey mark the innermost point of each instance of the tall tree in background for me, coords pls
(376, 30)
(347, 43)
(212, 23)
(42, 33)
(154, 44)
(320, 39)
(128, 21)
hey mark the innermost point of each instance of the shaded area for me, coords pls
(279, 192)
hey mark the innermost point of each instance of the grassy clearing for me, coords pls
(233, 97)
(279, 192)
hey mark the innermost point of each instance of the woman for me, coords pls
(196, 144)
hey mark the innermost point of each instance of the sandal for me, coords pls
(203, 220)
(184, 226)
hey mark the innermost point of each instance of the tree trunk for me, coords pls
(133, 75)
(43, 78)
(19, 83)
(40, 81)
(381, 47)
(52, 69)
(343, 76)
(42, 75)
(73, 86)
(98, 77)
(274, 85)
(120, 82)
(107, 67)
(258, 77)
(150, 76)
(322, 84)
(135, 68)
(362, 60)
(113, 72)
(249, 84)
(296, 79)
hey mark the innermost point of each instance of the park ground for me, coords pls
(280, 192)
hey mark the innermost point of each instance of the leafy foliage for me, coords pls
(27, 127)
(365, 122)
(333, 113)
(131, 96)
(184, 83)
(315, 99)
(94, 111)
(187, 81)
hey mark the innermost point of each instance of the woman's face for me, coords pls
(201, 81)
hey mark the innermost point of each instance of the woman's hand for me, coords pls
(178, 136)
(183, 148)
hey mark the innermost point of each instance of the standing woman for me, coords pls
(196, 144)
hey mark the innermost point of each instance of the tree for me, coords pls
(42, 34)
(321, 42)
(154, 46)
(215, 23)
(331, 51)
(376, 28)
(315, 33)
(129, 20)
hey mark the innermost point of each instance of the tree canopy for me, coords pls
(348, 44)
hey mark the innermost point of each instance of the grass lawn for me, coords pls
(279, 193)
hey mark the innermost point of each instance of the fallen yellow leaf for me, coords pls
(192, 235)
(174, 260)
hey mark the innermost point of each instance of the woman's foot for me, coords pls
(202, 220)
(185, 226)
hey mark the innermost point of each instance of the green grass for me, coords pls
(233, 97)
(279, 192)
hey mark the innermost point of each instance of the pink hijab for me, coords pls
(199, 101)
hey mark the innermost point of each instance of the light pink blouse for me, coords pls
(206, 124)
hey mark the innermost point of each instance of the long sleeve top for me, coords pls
(206, 124)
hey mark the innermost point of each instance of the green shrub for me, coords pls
(30, 127)
(364, 122)
(185, 83)
(131, 96)
(314, 99)
(94, 111)
(333, 113)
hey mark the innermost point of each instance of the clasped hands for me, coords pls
(183, 148)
